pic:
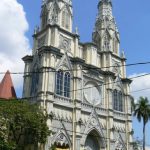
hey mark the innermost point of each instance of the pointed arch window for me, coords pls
(118, 100)
(67, 84)
(63, 81)
(115, 99)
(59, 83)
(65, 19)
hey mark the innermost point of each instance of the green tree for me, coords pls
(142, 112)
(22, 123)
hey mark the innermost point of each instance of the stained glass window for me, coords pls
(115, 99)
(63, 83)
(67, 84)
(59, 83)
(118, 100)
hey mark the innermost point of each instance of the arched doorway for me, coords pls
(92, 141)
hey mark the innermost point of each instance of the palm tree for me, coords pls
(142, 112)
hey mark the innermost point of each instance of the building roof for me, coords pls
(7, 89)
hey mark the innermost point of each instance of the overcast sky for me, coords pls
(18, 19)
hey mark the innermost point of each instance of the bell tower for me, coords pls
(55, 18)
(106, 35)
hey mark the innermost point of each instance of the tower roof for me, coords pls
(7, 89)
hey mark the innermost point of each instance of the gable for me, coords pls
(61, 137)
(64, 63)
(93, 124)
(118, 84)
(106, 33)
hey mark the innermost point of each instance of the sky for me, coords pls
(19, 17)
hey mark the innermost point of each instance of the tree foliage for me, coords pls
(21, 123)
(142, 112)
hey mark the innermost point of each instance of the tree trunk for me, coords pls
(144, 135)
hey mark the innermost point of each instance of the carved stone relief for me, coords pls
(65, 43)
(116, 67)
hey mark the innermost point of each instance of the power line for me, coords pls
(110, 83)
(98, 85)
(94, 86)
(89, 67)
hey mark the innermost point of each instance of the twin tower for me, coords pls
(82, 86)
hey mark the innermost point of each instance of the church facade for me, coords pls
(82, 86)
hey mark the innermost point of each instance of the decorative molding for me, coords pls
(65, 43)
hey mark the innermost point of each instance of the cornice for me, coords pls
(27, 58)
(59, 28)
(126, 80)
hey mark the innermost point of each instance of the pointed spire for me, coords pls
(7, 89)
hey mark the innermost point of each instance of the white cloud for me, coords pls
(13, 42)
(140, 83)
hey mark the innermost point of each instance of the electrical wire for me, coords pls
(101, 85)
(89, 68)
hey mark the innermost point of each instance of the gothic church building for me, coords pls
(82, 86)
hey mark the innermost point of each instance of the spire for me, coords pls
(106, 34)
(7, 89)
